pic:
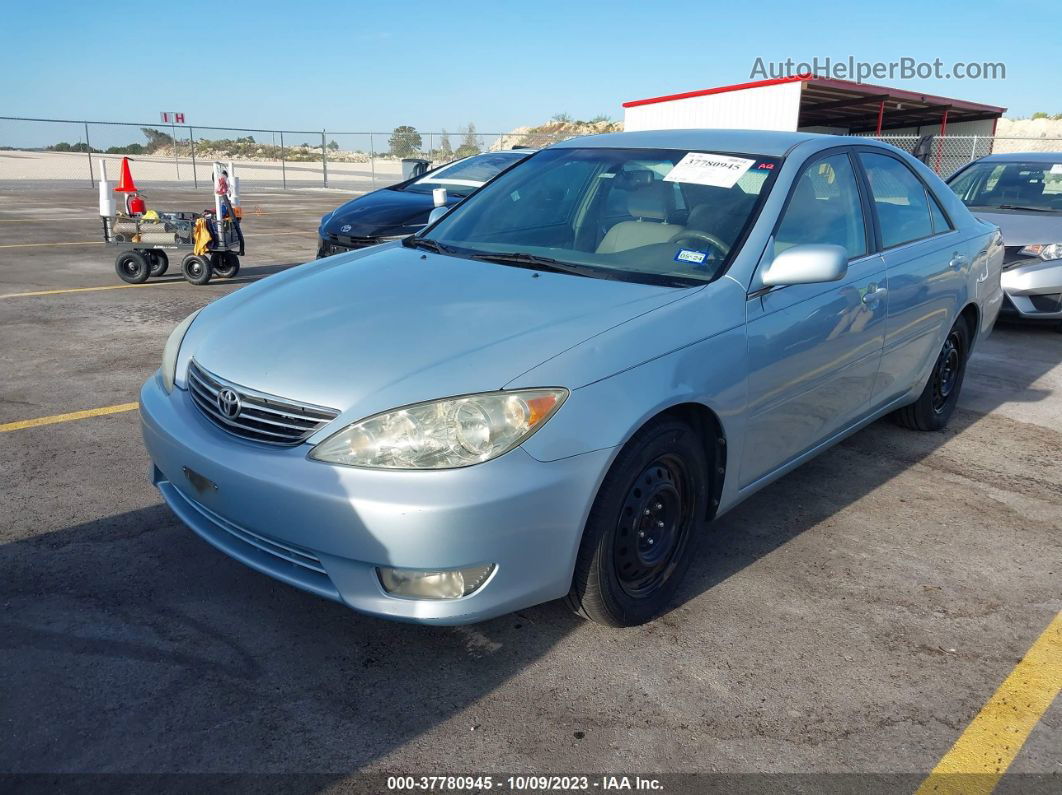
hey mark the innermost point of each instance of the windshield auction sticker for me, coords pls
(704, 168)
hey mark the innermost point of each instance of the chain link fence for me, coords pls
(947, 154)
(41, 153)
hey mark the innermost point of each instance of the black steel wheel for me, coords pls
(946, 372)
(196, 269)
(160, 262)
(225, 263)
(640, 534)
(654, 526)
(132, 267)
(935, 405)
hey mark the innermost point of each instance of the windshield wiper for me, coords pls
(524, 260)
(1025, 207)
(425, 243)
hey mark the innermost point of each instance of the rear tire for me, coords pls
(640, 534)
(160, 263)
(196, 269)
(935, 405)
(225, 263)
(132, 267)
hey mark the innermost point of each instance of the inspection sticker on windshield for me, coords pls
(704, 168)
(692, 256)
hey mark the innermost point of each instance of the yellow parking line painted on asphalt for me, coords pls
(40, 245)
(994, 737)
(100, 242)
(73, 415)
(92, 289)
(96, 218)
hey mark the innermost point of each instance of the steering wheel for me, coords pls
(707, 237)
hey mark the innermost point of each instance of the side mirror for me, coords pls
(807, 264)
(436, 214)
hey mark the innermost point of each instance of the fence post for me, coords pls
(372, 161)
(324, 158)
(173, 137)
(283, 165)
(191, 141)
(973, 150)
(88, 151)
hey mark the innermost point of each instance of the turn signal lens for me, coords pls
(443, 434)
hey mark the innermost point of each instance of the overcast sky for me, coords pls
(375, 65)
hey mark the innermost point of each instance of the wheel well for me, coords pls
(972, 316)
(705, 422)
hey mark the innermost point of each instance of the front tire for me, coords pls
(132, 267)
(196, 269)
(639, 536)
(935, 405)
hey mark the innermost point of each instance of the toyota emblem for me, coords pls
(229, 403)
(344, 228)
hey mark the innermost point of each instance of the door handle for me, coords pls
(873, 295)
(958, 262)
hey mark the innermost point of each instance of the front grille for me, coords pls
(255, 415)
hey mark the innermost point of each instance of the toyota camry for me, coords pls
(557, 387)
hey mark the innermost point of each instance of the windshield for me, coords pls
(655, 215)
(1014, 186)
(465, 176)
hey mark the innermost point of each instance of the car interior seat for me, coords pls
(650, 207)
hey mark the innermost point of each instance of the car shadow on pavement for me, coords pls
(131, 645)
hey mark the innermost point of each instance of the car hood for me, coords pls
(381, 211)
(1022, 229)
(388, 326)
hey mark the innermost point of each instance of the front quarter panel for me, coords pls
(690, 352)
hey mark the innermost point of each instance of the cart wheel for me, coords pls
(159, 262)
(196, 269)
(225, 263)
(132, 267)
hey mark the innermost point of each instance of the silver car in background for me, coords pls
(553, 389)
(1021, 193)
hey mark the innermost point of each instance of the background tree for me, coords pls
(333, 145)
(446, 152)
(469, 143)
(156, 139)
(404, 141)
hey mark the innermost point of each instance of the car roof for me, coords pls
(1023, 157)
(761, 142)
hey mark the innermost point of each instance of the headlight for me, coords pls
(173, 347)
(442, 434)
(1043, 250)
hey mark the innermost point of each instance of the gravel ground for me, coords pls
(851, 618)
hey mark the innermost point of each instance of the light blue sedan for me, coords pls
(555, 388)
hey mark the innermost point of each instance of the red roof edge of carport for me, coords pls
(719, 90)
(865, 88)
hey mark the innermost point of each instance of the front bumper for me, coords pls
(1034, 290)
(325, 528)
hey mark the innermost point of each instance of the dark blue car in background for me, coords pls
(402, 209)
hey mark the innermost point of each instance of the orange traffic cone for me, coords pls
(125, 182)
